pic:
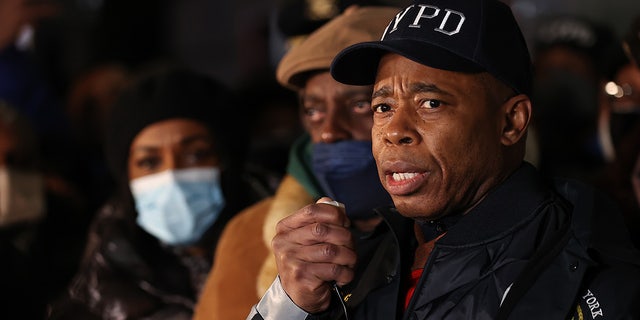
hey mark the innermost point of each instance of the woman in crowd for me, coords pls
(149, 247)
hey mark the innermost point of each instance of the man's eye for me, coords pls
(432, 104)
(381, 108)
(313, 114)
(363, 106)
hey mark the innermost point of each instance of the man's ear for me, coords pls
(517, 114)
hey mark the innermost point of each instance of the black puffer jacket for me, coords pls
(128, 274)
(528, 251)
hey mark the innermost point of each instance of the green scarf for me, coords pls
(299, 166)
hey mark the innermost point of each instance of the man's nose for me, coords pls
(335, 128)
(401, 129)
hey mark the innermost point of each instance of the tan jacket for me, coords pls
(244, 266)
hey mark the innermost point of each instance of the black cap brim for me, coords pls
(358, 64)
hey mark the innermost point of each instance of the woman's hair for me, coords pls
(166, 94)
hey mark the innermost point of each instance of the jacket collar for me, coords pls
(510, 204)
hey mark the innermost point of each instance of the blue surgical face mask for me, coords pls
(178, 206)
(347, 171)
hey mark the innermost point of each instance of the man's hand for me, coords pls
(314, 248)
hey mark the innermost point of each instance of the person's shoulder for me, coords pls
(229, 290)
(593, 212)
(247, 224)
(110, 221)
(599, 226)
(244, 229)
(610, 292)
(255, 211)
(113, 239)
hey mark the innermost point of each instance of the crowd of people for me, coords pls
(417, 159)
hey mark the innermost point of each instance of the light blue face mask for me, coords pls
(178, 206)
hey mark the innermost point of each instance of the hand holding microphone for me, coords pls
(314, 249)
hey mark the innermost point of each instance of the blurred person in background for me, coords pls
(41, 228)
(22, 80)
(334, 157)
(631, 43)
(624, 92)
(620, 127)
(622, 181)
(632, 48)
(572, 58)
(89, 101)
(273, 125)
(150, 247)
(26, 86)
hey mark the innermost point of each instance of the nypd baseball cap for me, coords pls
(456, 35)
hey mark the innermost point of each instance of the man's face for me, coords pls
(332, 111)
(436, 137)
